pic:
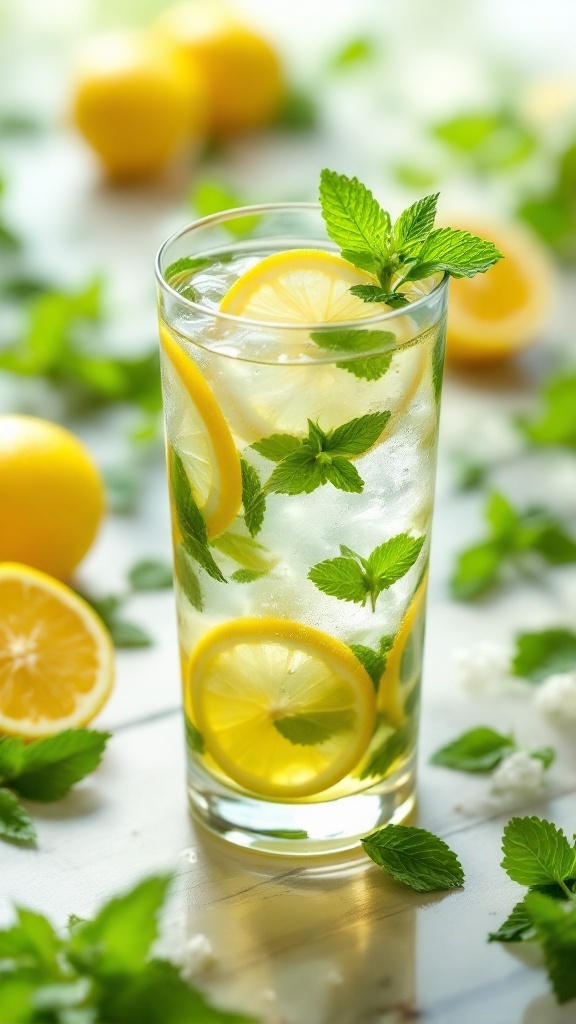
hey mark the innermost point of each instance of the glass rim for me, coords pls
(258, 209)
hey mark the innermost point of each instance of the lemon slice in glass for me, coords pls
(403, 664)
(285, 710)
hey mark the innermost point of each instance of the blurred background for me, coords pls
(121, 120)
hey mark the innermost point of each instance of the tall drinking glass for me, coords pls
(301, 460)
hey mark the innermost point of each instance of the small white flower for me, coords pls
(557, 696)
(518, 773)
(197, 956)
(482, 667)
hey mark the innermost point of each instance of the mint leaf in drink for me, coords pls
(15, 822)
(54, 764)
(151, 574)
(277, 446)
(314, 727)
(187, 578)
(245, 550)
(351, 577)
(387, 753)
(555, 926)
(190, 521)
(456, 252)
(253, 500)
(478, 750)
(357, 436)
(517, 927)
(536, 852)
(373, 661)
(194, 737)
(415, 224)
(369, 367)
(343, 475)
(415, 857)
(374, 293)
(247, 575)
(542, 654)
(299, 473)
(354, 220)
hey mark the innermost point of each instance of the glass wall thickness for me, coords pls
(301, 461)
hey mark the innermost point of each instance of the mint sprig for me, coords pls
(415, 857)
(374, 661)
(43, 771)
(482, 749)
(350, 577)
(409, 250)
(536, 852)
(189, 517)
(304, 464)
(253, 499)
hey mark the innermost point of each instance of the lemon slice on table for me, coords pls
(284, 709)
(199, 433)
(309, 286)
(56, 657)
(403, 667)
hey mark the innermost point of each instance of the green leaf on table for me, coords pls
(190, 521)
(253, 499)
(354, 220)
(311, 728)
(361, 340)
(555, 926)
(469, 473)
(490, 140)
(545, 653)
(478, 750)
(208, 197)
(151, 574)
(349, 577)
(551, 213)
(42, 941)
(299, 111)
(557, 423)
(415, 857)
(387, 753)
(12, 756)
(517, 927)
(187, 578)
(536, 852)
(56, 763)
(15, 822)
(477, 570)
(125, 634)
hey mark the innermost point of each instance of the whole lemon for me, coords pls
(242, 71)
(136, 102)
(51, 496)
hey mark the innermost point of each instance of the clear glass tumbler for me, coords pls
(301, 462)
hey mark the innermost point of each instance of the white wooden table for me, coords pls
(328, 941)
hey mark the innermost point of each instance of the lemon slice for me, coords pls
(403, 664)
(285, 710)
(56, 657)
(305, 286)
(199, 433)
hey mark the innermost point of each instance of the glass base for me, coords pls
(299, 829)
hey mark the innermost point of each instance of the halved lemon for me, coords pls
(199, 433)
(285, 710)
(310, 286)
(403, 664)
(56, 657)
(495, 315)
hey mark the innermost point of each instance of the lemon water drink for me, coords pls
(301, 428)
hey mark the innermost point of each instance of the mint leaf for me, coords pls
(54, 764)
(477, 571)
(517, 927)
(357, 436)
(190, 521)
(277, 446)
(343, 475)
(374, 293)
(314, 727)
(456, 252)
(354, 220)
(12, 753)
(253, 500)
(415, 857)
(390, 561)
(14, 820)
(247, 575)
(299, 473)
(478, 750)
(209, 197)
(186, 576)
(415, 224)
(248, 552)
(194, 738)
(557, 423)
(555, 925)
(387, 753)
(356, 51)
(119, 938)
(536, 852)
(373, 661)
(126, 634)
(342, 578)
(370, 367)
(538, 655)
(40, 937)
(151, 574)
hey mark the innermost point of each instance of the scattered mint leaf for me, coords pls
(555, 925)
(517, 927)
(249, 553)
(314, 727)
(477, 571)
(469, 473)
(478, 750)
(387, 753)
(126, 634)
(190, 521)
(194, 737)
(208, 197)
(123, 487)
(493, 141)
(542, 654)
(56, 763)
(354, 220)
(12, 755)
(552, 213)
(415, 857)
(536, 852)
(299, 111)
(15, 822)
(353, 578)
(187, 578)
(253, 500)
(151, 574)
(353, 53)
(277, 446)
(247, 575)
